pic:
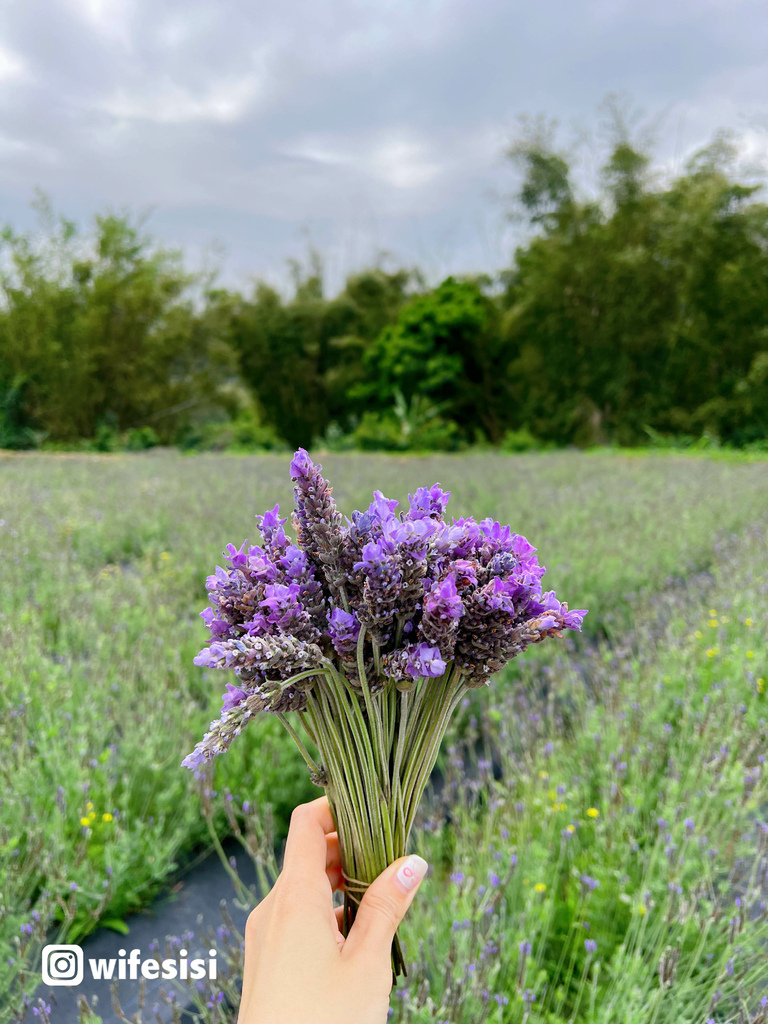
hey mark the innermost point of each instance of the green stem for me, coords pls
(297, 740)
(242, 892)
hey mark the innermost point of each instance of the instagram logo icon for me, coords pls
(62, 965)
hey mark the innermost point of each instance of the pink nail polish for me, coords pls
(411, 873)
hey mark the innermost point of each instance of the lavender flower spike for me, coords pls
(317, 520)
(223, 732)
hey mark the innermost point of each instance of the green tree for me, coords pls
(104, 330)
(302, 356)
(445, 347)
(646, 307)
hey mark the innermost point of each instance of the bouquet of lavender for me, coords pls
(370, 631)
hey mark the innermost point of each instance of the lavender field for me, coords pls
(598, 841)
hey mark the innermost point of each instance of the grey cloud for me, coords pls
(374, 124)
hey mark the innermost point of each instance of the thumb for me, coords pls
(383, 907)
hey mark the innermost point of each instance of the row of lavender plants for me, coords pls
(598, 843)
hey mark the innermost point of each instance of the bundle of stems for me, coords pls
(377, 753)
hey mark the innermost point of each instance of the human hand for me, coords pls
(299, 968)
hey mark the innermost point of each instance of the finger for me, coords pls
(338, 923)
(383, 907)
(306, 848)
(333, 862)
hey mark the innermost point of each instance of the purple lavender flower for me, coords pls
(344, 630)
(271, 527)
(428, 502)
(419, 661)
(285, 611)
(235, 695)
(440, 618)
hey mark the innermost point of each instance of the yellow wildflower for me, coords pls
(750, 654)
(592, 812)
(747, 622)
(165, 555)
(760, 685)
(84, 822)
(570, 828)
(712, 652)
(543, 775)
(89, 806)
(559, 807)
(712, 613)
(641, 909)
(539, 887)
(106, 817)
(92, 815)
(698, 634)
(713, 622)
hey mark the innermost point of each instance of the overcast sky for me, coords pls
(363, 125)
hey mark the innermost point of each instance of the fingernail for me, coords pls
(411, 873)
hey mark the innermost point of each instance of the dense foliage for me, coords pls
(98, 334)
(649, 309)
(639, 313)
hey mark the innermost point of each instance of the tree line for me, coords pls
(639, 314)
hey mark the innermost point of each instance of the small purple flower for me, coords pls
(428, 502)
(590, 945)
(271, 526)
(344, 630)
(235, 695)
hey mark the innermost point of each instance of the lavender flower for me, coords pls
(417, 662)
(317, 520)
(344, 630)
(374, 628)
(443, 608)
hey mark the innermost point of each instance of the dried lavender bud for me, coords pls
(252, 656)
(318, 522)
(223, 731)
(668, 966)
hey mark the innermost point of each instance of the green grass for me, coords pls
(103, 561)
